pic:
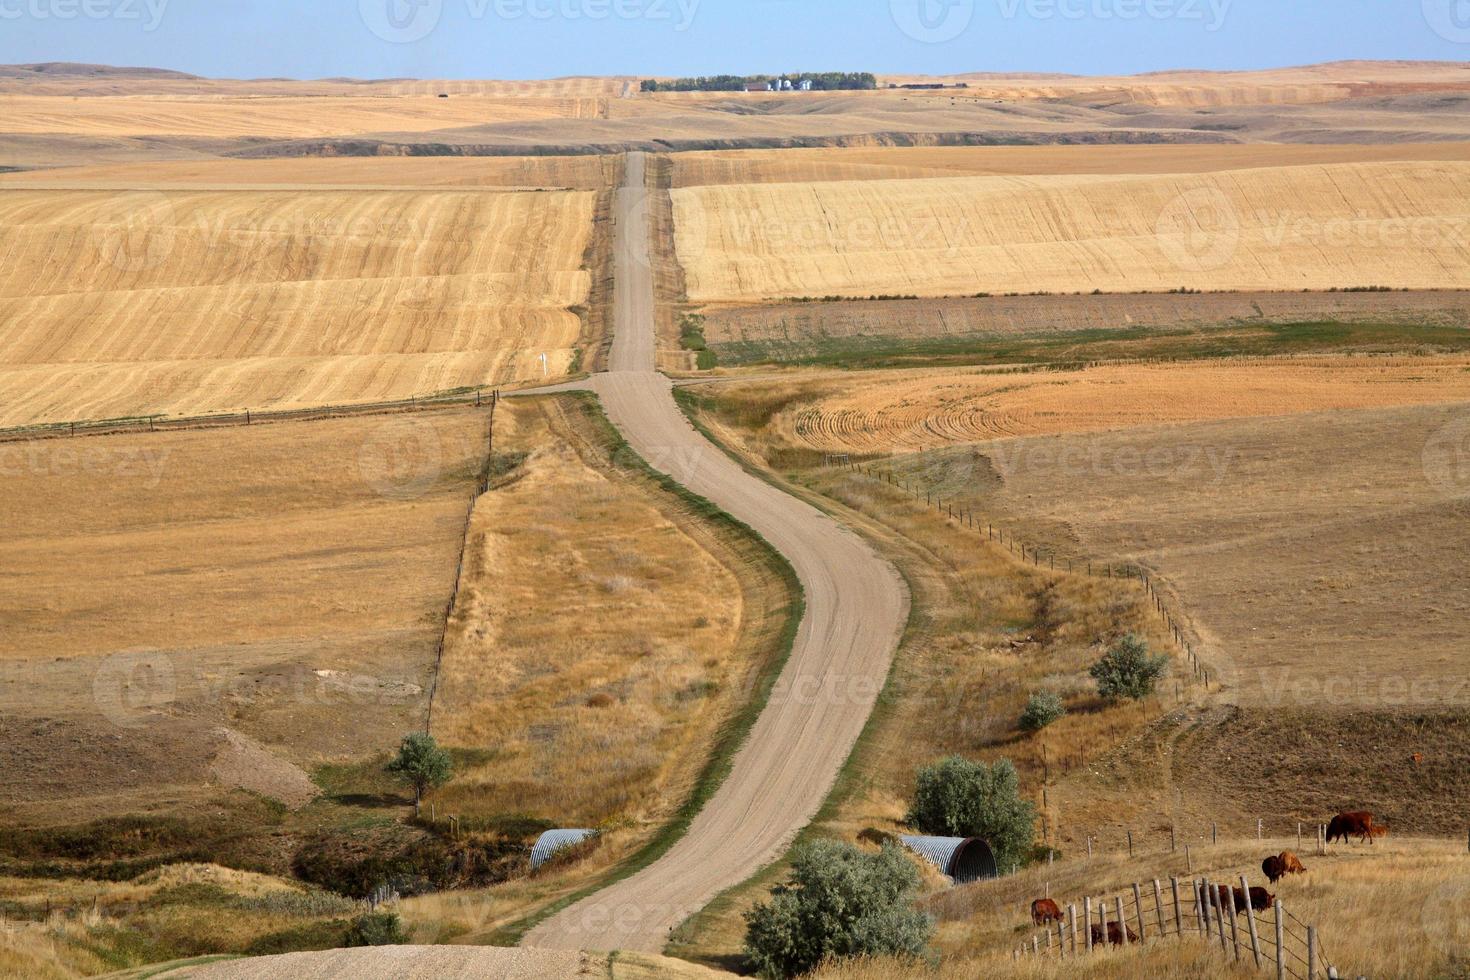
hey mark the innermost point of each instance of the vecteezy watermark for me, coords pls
(932, 21)
(1446, 458)
(1210, 13)
(134, 232)
(407, 21)
(401, 459)
(129, 687)
(1199, 230)
(143, 465)
(148, 13)
(1200, 465)
(1450, 19)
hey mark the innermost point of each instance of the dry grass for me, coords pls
(1300, 227)
(910, 163)
(284, 580)
(1399, 910)
(905, 411)
(598, 665)
(188, 302)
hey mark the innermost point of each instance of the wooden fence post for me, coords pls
(1138, 910)
(1130, 843)
(1089, 847)
(1122, 918)
(1072, 921)
(1214, 832)
(1311, 953)
(1087, 923)
(1202, 912)
(1159, 908)
(1298, 835)
(1225, 893)
(1178, 911)
(1260, 826)
(1280, 943)
(1220, 915)
(1250, 920)
(1188, 860)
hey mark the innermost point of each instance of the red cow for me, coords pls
(1115, 934)
(1257, 899)
(1355, 823)
(1044, 910)
(1291, 864)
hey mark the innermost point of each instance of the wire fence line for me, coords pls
(482, 487)
(1272, 937)
(478, 397)
(1028, 552)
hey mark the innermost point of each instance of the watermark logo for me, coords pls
(1211, 13)
(1199, 230)
(149, 13)
(134, 232)
(130, 687)
(402, 459)
(1446, 458)
(401, 21)
(1450, 19)
(932, 21)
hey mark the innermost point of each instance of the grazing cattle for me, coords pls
(1257, 898)
(1273, 869)
(1418, 758)
(1378, 830)
(1044, 910)
(1291, 864)
(1115, 934)
(1355, 823)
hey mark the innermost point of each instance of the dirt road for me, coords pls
(856, 605)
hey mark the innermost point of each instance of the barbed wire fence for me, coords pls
(965, 517)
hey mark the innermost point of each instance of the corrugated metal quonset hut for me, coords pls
(961, 859)
(555, 840)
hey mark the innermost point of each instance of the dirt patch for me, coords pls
(244, 763)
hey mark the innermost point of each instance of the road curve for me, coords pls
(856, 605)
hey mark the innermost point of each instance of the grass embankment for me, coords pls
(1078, 347)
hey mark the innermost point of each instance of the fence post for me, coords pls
(1220, 916)
(1280, 943)
(1130, 843)
(1250, 920)
(1173, 842)
(1072, 920)
(1178, 911)
(1089, 847)
(1311, 953)
(1122, 920)
(1298, 835)
(1138, 911)
(1159, 908)
(1188, 860)
(1202, 912)
(1087, 923)
(1234, 918)
(1260, 826)
(1214, 832)
(1061, 941)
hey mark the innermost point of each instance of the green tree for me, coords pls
(837, 902)
(1128, 670)
(376, 929)
(955, 797)
(1041, 710)
(422, 764)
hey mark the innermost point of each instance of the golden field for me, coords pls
(913, 163)
(189, 302)
(1328, 226)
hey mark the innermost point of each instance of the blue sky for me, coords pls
(544, 38)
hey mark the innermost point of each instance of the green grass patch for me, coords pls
(1076, 347)
(691, 337)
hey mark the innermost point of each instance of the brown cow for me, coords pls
(1115, 934)
(1272, 869)
(1291, 864)
(1355, 823)
(1418, 758)
(1378, 830)
(1044, 910)
(1257, 899)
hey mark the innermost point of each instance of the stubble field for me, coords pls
(189, 302)
(1319, 227)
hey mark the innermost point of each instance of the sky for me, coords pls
(548, 38)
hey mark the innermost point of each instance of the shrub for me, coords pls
(1041, 710)
(376, 929)
(959, 798)
(422, 764)
(1128, 670)
(837, 902)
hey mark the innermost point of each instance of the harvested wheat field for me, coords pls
(911, 163)
(192, 607)
(1321, 227)
(904, 411)
(188, 302)
(588, 173)
(278, 117)
(600, 664)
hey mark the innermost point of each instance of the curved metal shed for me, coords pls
(555, 840)
(961, 859)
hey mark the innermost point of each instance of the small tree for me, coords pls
(422, 764)
(837, 902)
(1041, 710)
(959, 798)
(376, 929)
(1128, 670)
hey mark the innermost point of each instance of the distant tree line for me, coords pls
(827, 81)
